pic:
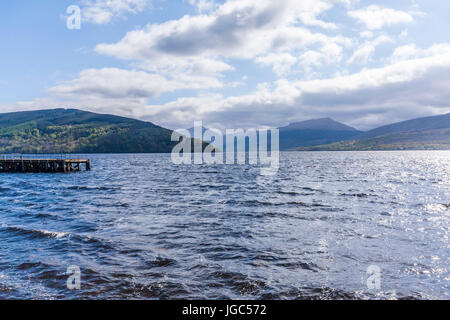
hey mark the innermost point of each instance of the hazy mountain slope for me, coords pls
(438, 139)
(315, 132)
(419, 124)
(318, 124)
(306, 133)
(76, 131)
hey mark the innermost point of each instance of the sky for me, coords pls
(229, 63)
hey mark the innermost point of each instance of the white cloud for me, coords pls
(103, 11)
(410, 51)
(362, 55)
(311, 11)
(376, 17)
(292, 37)
(364, 52)
(203, 5)
(327, 54)
(372, 97)
(113, 83)
(366, 34)
(404, 33)
(244, 29)
(237, 29)
(280, 63)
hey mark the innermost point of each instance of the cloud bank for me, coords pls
(251, 63)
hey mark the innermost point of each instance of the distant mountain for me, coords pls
(315, 132)
(306, 133)
(76, 131)
(430, 133)
(222, 145)
(318, 124)
(419, 124)
(204, 129)
(438, 139)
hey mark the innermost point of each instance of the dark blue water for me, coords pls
(141, 228)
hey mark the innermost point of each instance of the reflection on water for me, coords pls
(140, 227)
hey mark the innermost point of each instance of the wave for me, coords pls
(357, 195)
(257, 203)
(293, 193)
(300, 265)
(34, 233)
(437, 207)
(87, 188)
(313, 293)
(160, 262)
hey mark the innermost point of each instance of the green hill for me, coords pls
(76, 131)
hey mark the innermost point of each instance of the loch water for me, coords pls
(140, 227)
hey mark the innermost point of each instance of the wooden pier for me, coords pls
(44, 165)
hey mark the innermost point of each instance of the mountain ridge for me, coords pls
(315, 132)
(77, 131)
(427, 133)
(423, 123)
(318, 124)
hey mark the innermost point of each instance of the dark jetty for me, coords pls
(43, 165)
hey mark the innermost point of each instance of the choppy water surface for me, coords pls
(140, 227)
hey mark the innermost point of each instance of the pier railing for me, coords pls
(43, 156)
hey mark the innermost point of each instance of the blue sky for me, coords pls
(232, 63)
